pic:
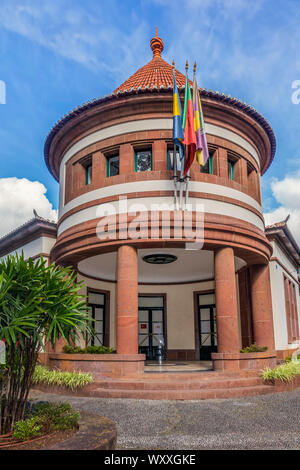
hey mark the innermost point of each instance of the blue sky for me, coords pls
(57, 54)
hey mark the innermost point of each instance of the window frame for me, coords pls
(210, 165)
(106, 314)
(88, 173)
(109, 158)
(230, 165)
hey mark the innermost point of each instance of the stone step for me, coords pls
(197, 384)
(202, 394)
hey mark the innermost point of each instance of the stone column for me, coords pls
(127, 300)
(226, 301)
(262, 314)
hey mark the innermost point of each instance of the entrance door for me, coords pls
(151, 326)
(207, 325)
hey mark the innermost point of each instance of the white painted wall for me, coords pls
(278, 297)
(35, 247)
(153, 203)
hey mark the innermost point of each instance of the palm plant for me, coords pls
(38, 304)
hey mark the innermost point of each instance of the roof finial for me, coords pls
(156, 45)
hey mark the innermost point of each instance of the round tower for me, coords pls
(117, 224)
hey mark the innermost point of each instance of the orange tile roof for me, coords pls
(156, 73)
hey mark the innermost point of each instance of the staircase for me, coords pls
(198, 386)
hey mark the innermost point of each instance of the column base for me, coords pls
(244, 361)
(100, 365)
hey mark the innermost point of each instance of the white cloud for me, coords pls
(18, 198)
(287, 194)
(88, 36)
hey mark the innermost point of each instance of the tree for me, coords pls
(38, 304)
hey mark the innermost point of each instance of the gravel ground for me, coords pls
(263, 422)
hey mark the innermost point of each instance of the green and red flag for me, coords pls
(188, 126)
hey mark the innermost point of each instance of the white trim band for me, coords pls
(208, 205)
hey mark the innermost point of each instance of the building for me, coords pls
(144, 287)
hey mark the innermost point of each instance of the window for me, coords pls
(170, 154)
(113, 165)
(88, 174)
(96, 304)
(208, 167)
(291, 310)
(231, 164)
(143, 160)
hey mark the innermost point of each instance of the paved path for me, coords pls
(263, 422)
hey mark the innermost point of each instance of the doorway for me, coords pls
(152, 326)
(208, 342)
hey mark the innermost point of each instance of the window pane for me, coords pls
(205, 340)
(157, 315)
(95, 298)
(98, 325)
(99, 314)
(208, 167)
(205, 314)
(170, 160)
(113, 166)
(143, 328)
(230, 170)
(98, 340)
(207, 299)
(143, 340)
(158, 340)
(205, 326)
(88, 174)
(144, 160)
(143, 315)
(151, 301)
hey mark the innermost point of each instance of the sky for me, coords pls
(58, 54)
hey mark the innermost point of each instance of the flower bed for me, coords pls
(42, 421)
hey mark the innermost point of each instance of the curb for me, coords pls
(95, 433)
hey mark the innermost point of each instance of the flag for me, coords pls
(189, 128)
(202, 154)
(178, 134)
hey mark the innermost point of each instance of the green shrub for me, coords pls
(289, 359)
(254, 348)
(27, 429)
(46, 418)
(56, 417)
(285, 372)
(72, 380)
(88, 350)
(72, 349)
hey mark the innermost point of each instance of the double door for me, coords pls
(151, 327)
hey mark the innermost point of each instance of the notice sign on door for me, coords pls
(157, 328)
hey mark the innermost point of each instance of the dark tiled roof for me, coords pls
(18, 237)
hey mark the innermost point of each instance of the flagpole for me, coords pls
(181, 180)
(175, 178)
(188, 176)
